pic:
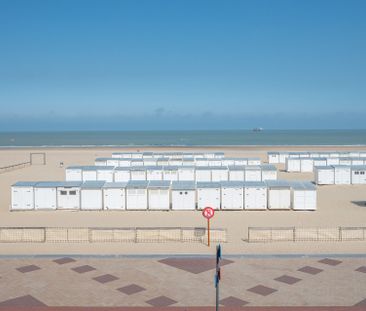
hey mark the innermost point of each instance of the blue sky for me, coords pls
(181, 64)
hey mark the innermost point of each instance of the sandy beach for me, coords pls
(336, 207)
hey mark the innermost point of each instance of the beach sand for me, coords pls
(336, 207)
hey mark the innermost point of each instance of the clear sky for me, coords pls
(181, 64)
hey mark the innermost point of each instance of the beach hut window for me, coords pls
(181, 192)
(356, 173)
(72, 192)
(63, 192)
(186, 192)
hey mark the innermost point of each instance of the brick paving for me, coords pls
(182, 282)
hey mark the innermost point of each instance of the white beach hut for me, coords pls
(358, 174)
(324, 175)
(124, 162)
(319, 162)
(255, 195)
(150, 162)
(170, 173)
(333, 161)
(344, 161)
(137, 162)
(148, 155)
(269, 172)
(154, 172)
(283, 157)
(307, 165)
(101, 161)
(203, 173)
(314, 154)
(219, 155)
(208, 195)
(113, 162)
(201, 161)
(228, 162)
(354, 154)
(136, 155)
(138, 173)
(183, 195)
(232, 195)
(159, 195)
(74, 173)
(91, 197)
(273, 157)
(240, 161)
(236, 173)
(105, 173)
(89, 173)
(253, 173)
(342, 175)
(136, 193)
(22, 195)
(293, 164)
(122, 174)
(279, 195)
(219, 173)
(162, 162)
(357, 161)
(214, 162)
(176, 161)
(186, 173)
(334, 154)
(114, 196)
(188, 162)
(45, 195)
(254, 161)
(68, 195)
(303, 196)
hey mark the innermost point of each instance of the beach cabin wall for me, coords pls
(232, 195)
(114, 196)
(294, 155)
(136, 155)
(269, 172)
(227, 162)
(89, 173)
(22, 195)
(101, 161)
(201, 162)
(273, 157)
(240, 161)
(219, 155)
(354, 154)
(137, 162)
(148, 155)
(307, 165)
(358, 175)
(74, 173)
(170, 173)
(113, 162)
(45, 195)
(122, 174)
(293, 164)
(333, 161)
(154, 173)
(254, 161)
(176, 162)
(253, 173)
(124, 162)
(342, 175)
(314, 154)
(303, 196)
(68, 195)
(188, 162)
(162, 162)
(159, 195)
(357, 161)
(150, 162)
(91, 195)
(138, 173)
(214, 162)
(186, 173)
(203, 174)
(136, 193)
(236, 173)
(319, 162)
(219, 173)
(255, 196)
(208, 195)
(105, 173)
(324, 175)
(183, 195)
(279, 195)
(344, 161)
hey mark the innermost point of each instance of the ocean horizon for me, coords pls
(183, 138)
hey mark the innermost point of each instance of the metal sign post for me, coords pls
(208, 213)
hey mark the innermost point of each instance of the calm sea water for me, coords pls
(184, 138)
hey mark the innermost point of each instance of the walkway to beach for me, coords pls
(182, 281)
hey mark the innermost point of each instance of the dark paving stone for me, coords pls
(105, 278)
(232, 301)
(131, 289)
(361, 269)
(262, 290)
(22, 301)
(310, 270)
(161, 301)
(64, 260)
(83, 269)
(29, 268)
(287, 279)
(194, 265)
(331, 262)
(362, 303)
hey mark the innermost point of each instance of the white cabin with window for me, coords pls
(358, 174)
(136, 192)
(232, 195)
(159, 195)
(68, 195)
(114, 196)
(91, 195)
(183, 195)
(22, 196)
(208, 195)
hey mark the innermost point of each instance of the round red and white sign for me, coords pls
(208, 212)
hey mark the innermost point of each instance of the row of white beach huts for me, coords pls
(172, 173)
(340, 175)
(277, 157)
(163, 195)
(169, 155)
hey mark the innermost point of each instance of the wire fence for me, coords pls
(110, 235)
(313, 234)
(13, 167)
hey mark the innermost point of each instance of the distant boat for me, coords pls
(257, 129)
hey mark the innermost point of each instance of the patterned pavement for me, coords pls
(182, 282)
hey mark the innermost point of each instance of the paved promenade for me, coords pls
(182, 282)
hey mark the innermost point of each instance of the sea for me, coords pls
(183, 138)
